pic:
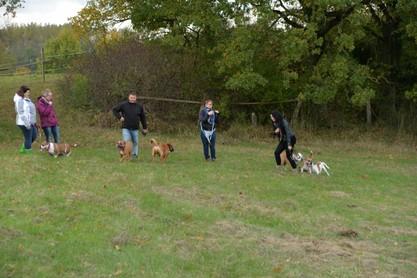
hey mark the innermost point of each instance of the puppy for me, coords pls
(298, 157)
(318, 167)
(160, 149)
(125, 149)
(54, 149)
(308, 163)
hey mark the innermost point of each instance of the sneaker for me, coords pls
(28, 152)
(22, 149)
(213, 159)
(294, 170)
(135, 156)
(208, 159)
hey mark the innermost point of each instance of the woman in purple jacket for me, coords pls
(49, 120)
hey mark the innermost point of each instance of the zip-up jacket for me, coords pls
(285, 132)
(46, 113)
(204, 119)
(133, 114)
(25, 111)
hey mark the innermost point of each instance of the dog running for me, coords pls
(125, 149)
(315, 168)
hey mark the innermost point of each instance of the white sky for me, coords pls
(44, 12)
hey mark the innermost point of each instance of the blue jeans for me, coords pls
(132, 135)
(51, 131)
(206, 145)
(30, 135)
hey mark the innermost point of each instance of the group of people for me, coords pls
(131, 114)
(26, 117)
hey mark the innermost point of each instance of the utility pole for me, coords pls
(43, 66)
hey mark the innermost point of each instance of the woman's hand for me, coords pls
(289, 148)
(277, 130)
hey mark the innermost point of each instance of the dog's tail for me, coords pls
(153, 141)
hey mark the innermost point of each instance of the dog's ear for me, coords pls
(171, 148)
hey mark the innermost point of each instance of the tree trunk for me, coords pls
(296, 112)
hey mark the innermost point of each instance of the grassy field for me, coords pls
(88, 215)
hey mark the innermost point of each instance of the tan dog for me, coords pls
(160, 149)
(297, 157)
(284, 159)
(125, 148)
(54, 149)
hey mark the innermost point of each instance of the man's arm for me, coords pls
(116, 111)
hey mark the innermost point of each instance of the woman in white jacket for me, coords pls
(25, 118)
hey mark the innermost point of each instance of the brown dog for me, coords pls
(160, 149)
(284, 159)
(125, 148)
(56, 150)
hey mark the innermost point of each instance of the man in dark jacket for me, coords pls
(131, 114)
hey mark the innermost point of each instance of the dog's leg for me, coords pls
(152, 154)
(324, 168)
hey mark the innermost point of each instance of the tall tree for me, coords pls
(344, 54)
(11, 6)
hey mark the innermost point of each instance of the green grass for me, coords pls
(88, 215)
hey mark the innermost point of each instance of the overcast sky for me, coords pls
(45, 12)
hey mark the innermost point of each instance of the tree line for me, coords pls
(352, 61)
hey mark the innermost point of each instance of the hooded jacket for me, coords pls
(46, 113)
(285, 131)
(25, 111)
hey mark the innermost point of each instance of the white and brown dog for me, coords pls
(319, 166)
(311, 167)
(54, 149)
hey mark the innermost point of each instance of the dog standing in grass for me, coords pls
(162, 150)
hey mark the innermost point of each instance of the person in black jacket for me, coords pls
(131, 114)
(208, 119)
(282, 128)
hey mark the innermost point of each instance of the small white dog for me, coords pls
(319, 166)
(297, 157)
(311, 167)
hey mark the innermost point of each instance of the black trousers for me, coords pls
(283, 145)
